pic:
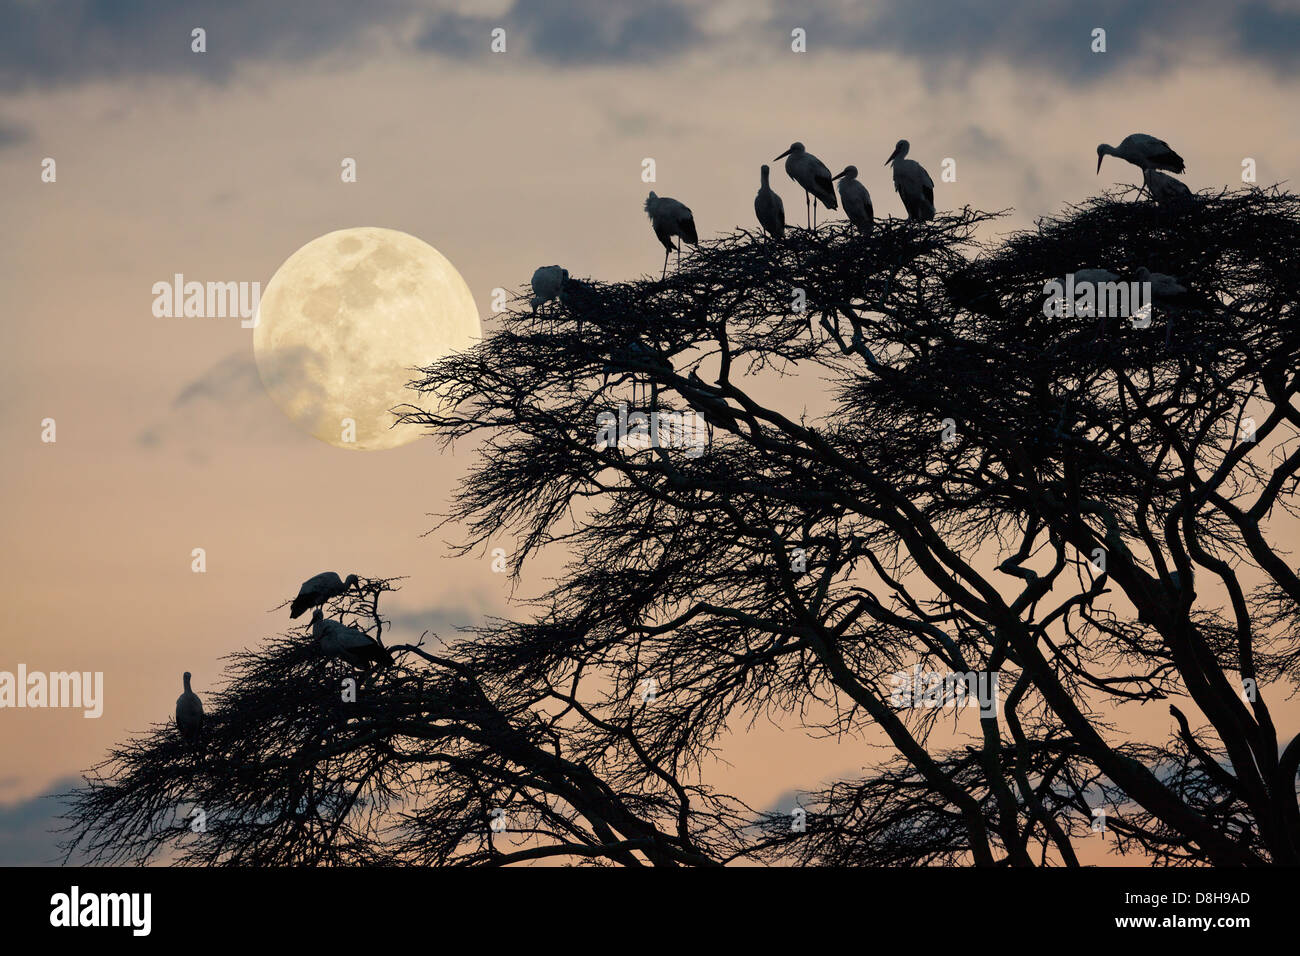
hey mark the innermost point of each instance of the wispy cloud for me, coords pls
(11, 135)
(1054, 35)
(60, 42)
(28, 828)
(574, 33)
(57, 42)
(227, 400)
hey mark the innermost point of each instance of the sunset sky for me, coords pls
(220, 165)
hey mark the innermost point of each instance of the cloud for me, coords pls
(444, 619)
(58, 42)
(233, 378)
(573, 32)
(1054, 35)
(61, 42)
(11, 135)
(227, 399)
(27, 828)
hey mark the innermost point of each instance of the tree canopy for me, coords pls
(1091, 512)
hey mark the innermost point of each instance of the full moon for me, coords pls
(343, 323)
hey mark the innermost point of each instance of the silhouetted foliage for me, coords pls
(1103, 528)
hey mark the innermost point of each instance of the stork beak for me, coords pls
(839, 175)
(783, 155)
(891, 158)
(1099, 159)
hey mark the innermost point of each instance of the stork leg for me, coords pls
(679, 255)
(667, 250)
(807, 209)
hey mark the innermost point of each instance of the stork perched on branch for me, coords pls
(318, 589)
(1143, 151)
(856, 199)
(189, 713)
(913, 183)
(810, 173)
(768, 207)
(670, 219)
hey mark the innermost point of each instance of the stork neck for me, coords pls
(186, 678)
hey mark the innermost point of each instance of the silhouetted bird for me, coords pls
(856, 199)
(581, 300)
(189, 713)
(548, 283)
(1143, 151)
(810, 173)
(338, 640)
(1165, 190)
(1174, 295)
(1162, 286)
(768, 207)
(912, 183)
(671, 218)
(315, 591)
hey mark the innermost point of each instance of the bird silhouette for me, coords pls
(813, 175)
(548, 283)
(1143, 151)
(316, 590)
(189, 713)
(912, 183)
(1174, 295)
(670, 219)
(1165, 190)
(855, 198)
(356, 647)
(768, 207)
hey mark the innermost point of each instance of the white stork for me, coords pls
(1143, 151)
(189, 713)
(856, 199)
(810, 173)
(1095, 278)
(768, 207)
(338, 640)
(912, 182)
(1165, 190)
(1164, 286)
(671, 218)
(548, 283)
(1171, 291)
(316, 590)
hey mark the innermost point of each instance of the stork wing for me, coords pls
(687, 227)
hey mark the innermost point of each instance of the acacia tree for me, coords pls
(1093, 510)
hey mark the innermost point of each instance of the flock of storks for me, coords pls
(673, 220)
(674, 223)
(334, 639)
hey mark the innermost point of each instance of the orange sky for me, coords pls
(502, 162)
